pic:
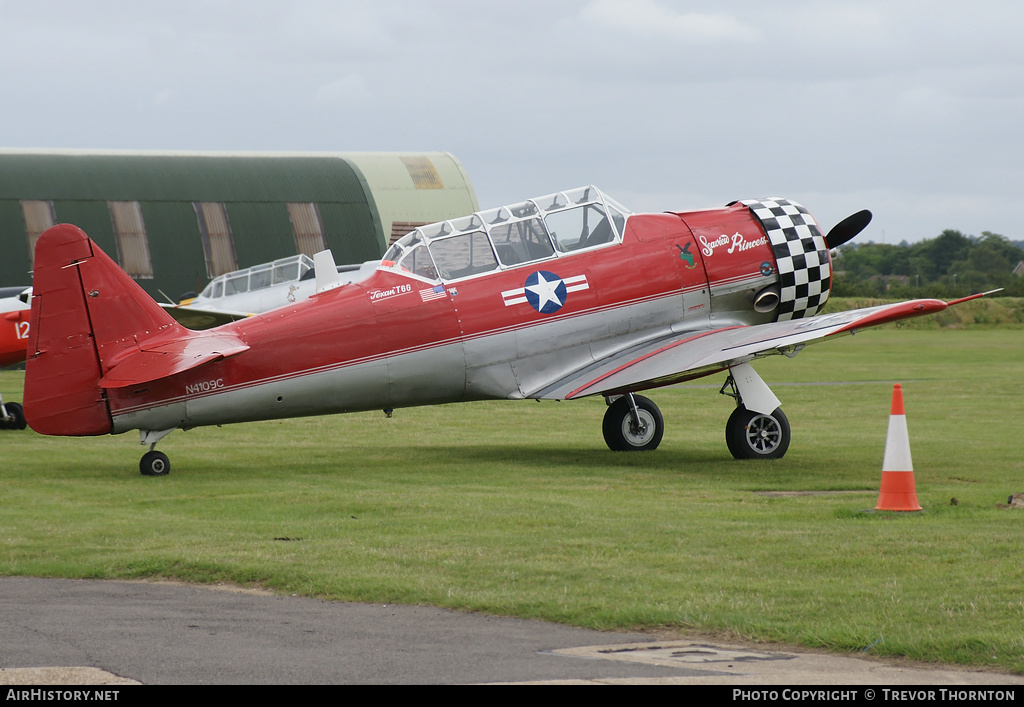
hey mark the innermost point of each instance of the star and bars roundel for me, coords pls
(545, 291)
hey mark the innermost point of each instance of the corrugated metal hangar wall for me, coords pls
(174, 220)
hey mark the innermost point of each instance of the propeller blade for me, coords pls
(847, 229)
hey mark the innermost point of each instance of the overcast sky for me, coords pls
(914, 110)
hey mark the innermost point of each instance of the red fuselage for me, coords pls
(386, 342)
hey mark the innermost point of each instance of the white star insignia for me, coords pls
(545, 291)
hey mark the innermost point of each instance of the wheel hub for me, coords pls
(638, 432)
(763, 433)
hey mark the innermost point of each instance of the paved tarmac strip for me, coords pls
(163, 633)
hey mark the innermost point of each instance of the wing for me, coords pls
(199, 319)
(690, 355)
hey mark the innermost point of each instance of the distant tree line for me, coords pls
(951, 265)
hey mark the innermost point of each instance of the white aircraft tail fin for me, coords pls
(326, 271)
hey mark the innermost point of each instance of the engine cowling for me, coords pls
(802, 258)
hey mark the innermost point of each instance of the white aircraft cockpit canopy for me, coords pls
(546, 227)
(281, 271)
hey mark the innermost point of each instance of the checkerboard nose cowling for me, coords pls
(801, 255)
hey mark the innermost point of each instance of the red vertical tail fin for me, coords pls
(87, 314)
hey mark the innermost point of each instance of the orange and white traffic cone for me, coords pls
(898, 491)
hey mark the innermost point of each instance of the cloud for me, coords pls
(349, 89)
(646, 17)
(665, 104)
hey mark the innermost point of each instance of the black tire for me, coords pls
(16, 415)
(754, 435)
(155, 464)
(618, 427)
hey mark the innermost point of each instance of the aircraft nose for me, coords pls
(801, 256)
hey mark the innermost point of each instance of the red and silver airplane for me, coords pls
(561, 297)
(14, 325)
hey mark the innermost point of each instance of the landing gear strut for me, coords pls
(633, 423)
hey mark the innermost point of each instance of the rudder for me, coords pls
(87, 314)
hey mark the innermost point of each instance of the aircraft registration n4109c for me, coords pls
(561, 297)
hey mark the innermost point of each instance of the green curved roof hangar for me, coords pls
(173, 220)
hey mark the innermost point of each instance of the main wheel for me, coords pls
(155, 463)
(754, 435)
(622, 433)
(15, 417)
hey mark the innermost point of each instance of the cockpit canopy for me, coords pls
(550, 226)
(279, 272)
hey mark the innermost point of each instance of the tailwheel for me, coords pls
(15, 418)
(633, 423)
(754, 435)
(155, 463)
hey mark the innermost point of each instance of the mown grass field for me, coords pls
(517, 508)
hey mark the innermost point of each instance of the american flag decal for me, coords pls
(432, 293)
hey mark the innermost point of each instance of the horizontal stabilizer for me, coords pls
(170, 358)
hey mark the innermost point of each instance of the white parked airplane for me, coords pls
(242, 293)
